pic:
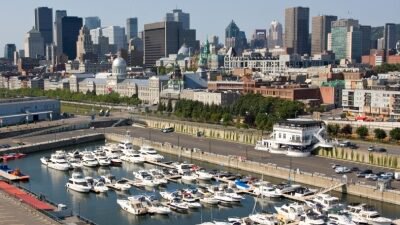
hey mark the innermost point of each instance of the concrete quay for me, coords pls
(314, 179)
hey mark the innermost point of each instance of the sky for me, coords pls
(208, 17)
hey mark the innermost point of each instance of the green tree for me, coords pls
(169, 106)
(347, 129)
(226, 118)
(395, 134)
(333, 129)
(380, 134)
(362, 132)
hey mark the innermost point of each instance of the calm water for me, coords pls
(103, 208)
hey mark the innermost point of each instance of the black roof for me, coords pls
(300, 123)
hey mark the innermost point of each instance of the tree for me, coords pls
(362, 131)
(347, 129)
(380, 134)
(333, 129)
(169, 106)
(395, 134)
(226, 118)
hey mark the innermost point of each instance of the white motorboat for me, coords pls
(326, 201)
(311, 218)
(148, 153)
(232, 193)
(158, 176)
(291, 212)
(153, 206)
(75, 154)
(75, 163)
(122, 185)
(45, 160)
(115, 160)
(145, 178)
(99, 187)
(58, 161)
(133, 206)
(133, 157)
(364, 213)
(223, 198)
(285, 188)
(103, 160)
(209, 199)
(125, 145)
(89, 160)
(267, 190)
(78, 183)
(189, 177)
(263, 219)
(203, 175)
(170, 195)
(304, 191)
(184, 168)
(213, 188)
(111, 150)
(178, 206)
(340, 218)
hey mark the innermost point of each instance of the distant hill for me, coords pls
(377, 32)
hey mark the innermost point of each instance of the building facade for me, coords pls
(177, 15)
(44, 23)
(34, 44)
(321, 27)
(70, 26)
(92, 22)
(389, 36)
(9, 50)
(84, 46)
(116, 37)
(297, 21)
(275, 35)
(131, 28)
(346, 39)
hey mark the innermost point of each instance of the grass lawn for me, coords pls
(80, 109)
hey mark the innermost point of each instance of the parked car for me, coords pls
(353, 146)
(345, 144)
(364, 173)
(371, 176)
(334, 165)
(387, 175)
(355, 169)
(381, 150)
(342, 169)
(371, 148)
(168, 130)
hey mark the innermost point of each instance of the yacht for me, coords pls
(184, 168)
(102, 159)
(291, 212)
(75, 154)
(209, 199)
(266, 190)
(295, 138)
(75, 163)
(122, 185)
(145, 178)
(263, 219)
(223, 198)
(133, 206)
(202, 174)
(115, 160)
(78, 183)
(107, 179)
(188, 177)
(242, 185)
(340, 218)
(158, 176)
(367, 214)
(170, 195)
(178, 206)
(312, 218)
(111, 150)
(125, 145)
(153, 206)
(326, 201)
(58, 161)
(232, 193)
(99, 187)
(131, 156)
(89, 160)
(304, 191)
(148, 153)
(286, 188)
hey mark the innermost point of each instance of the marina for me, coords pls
(50, 183)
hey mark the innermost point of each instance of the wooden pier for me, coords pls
(160, 164)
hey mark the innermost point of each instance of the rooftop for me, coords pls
(300, 123)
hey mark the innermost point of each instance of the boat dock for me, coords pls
(160, 164)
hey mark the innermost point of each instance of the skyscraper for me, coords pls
(178, 15)
(92, 22)
(34, 44)
(346, 39)
(297, 21)
(57, 37)
(321, 27)
(131, 28)
(235, 38)
(9, 50)
(164, 38)
(70, 26)
(259, 39)
(275, 35)
(390, 36)
(84, 45)
(366, 39)
(116, 37)
(44, 23)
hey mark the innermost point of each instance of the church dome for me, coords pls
(119, 62)
(184, 50)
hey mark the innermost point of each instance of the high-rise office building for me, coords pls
(346, 39)
(34, 44)
(164, 38)
(297, 21)
(321, 27)
(389, 36)
(275, 35)
(116, 37)
(235, 38)
(70, 26)
(131, 28)
(44, 23)
(259, 39)
(178, 15)
(92, 22)
(9, 50)
(57, 34)
(84, 46)
(366, 39)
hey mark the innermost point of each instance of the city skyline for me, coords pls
(214, 23)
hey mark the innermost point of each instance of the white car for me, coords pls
(342, 169)
(371, 176)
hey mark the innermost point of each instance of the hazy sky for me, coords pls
(207, 16)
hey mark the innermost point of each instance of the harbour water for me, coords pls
(104, 210)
